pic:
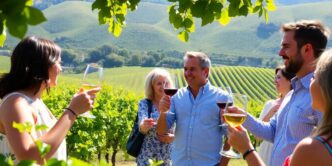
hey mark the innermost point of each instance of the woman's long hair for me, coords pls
(30, 61)
(323, 74)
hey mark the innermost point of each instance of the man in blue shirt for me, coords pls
(302, 43)
(198, 136)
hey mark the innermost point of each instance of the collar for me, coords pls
(204, 88)
(303, 82)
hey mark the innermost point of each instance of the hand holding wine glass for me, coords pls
(234, 119)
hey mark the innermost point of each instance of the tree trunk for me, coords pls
(99, 156)
(114, 157)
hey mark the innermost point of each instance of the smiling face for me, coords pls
(290, 53)
(54, 72)
(194, 74)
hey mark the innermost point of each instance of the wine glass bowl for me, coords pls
(170, 91)
(92, 78)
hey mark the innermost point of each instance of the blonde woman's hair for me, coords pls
(323, 75)
(151, 78)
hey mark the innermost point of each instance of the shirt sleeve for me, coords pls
(171, 116)
(264, 130)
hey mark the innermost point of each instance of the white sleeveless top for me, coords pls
(43, 117)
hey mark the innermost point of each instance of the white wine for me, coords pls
(88, 86)
(234, 119)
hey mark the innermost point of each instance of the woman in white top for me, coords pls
(283, 86)
(35, 66)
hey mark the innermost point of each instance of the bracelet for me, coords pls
(245, 154)
(72, 111)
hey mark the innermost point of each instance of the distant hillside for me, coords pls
(73, 25)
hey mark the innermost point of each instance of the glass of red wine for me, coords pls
(171, 89)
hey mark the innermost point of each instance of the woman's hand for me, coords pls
(146, 125)
(238, 138)
(166, 138)
(83, 100)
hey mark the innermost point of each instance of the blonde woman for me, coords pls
(154, 146)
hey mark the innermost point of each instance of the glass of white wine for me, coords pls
(235, 119)
(92, 78)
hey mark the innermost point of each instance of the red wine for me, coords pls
(223, 105)
(170, 92)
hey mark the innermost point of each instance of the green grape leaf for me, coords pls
(266, 15)
(43, 148)
(189, 24)
(27, 163)
(133, 4)
(208, 17)
(270, 5)
(29, 3)
(184, 5)
(260, 12)
(115, 28)
(256, 9)
(98, 4)
(17, 26)
(224, 19)
(34, 16)
(198, 8)
(171, 13)
(183, 36)
(120, 18)
(23, 127)
(244, 10)
(3, 35)
(177, 22)
(233, 9)
(55, 162)
(41, 127)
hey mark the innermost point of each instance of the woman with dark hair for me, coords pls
(283, 85)
(35, 66)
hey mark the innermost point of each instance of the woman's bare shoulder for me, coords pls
(310, 152)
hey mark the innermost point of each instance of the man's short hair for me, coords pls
(309, 31)
(204, 60)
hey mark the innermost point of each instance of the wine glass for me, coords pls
(234, 119)
(171, 90)
(92, 78)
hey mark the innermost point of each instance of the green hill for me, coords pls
(257, 83)
(72, 24)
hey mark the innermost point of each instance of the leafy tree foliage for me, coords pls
(16, 15)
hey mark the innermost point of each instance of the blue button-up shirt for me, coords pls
(294, 121)
(198, 137)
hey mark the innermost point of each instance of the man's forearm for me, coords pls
(162, 124)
